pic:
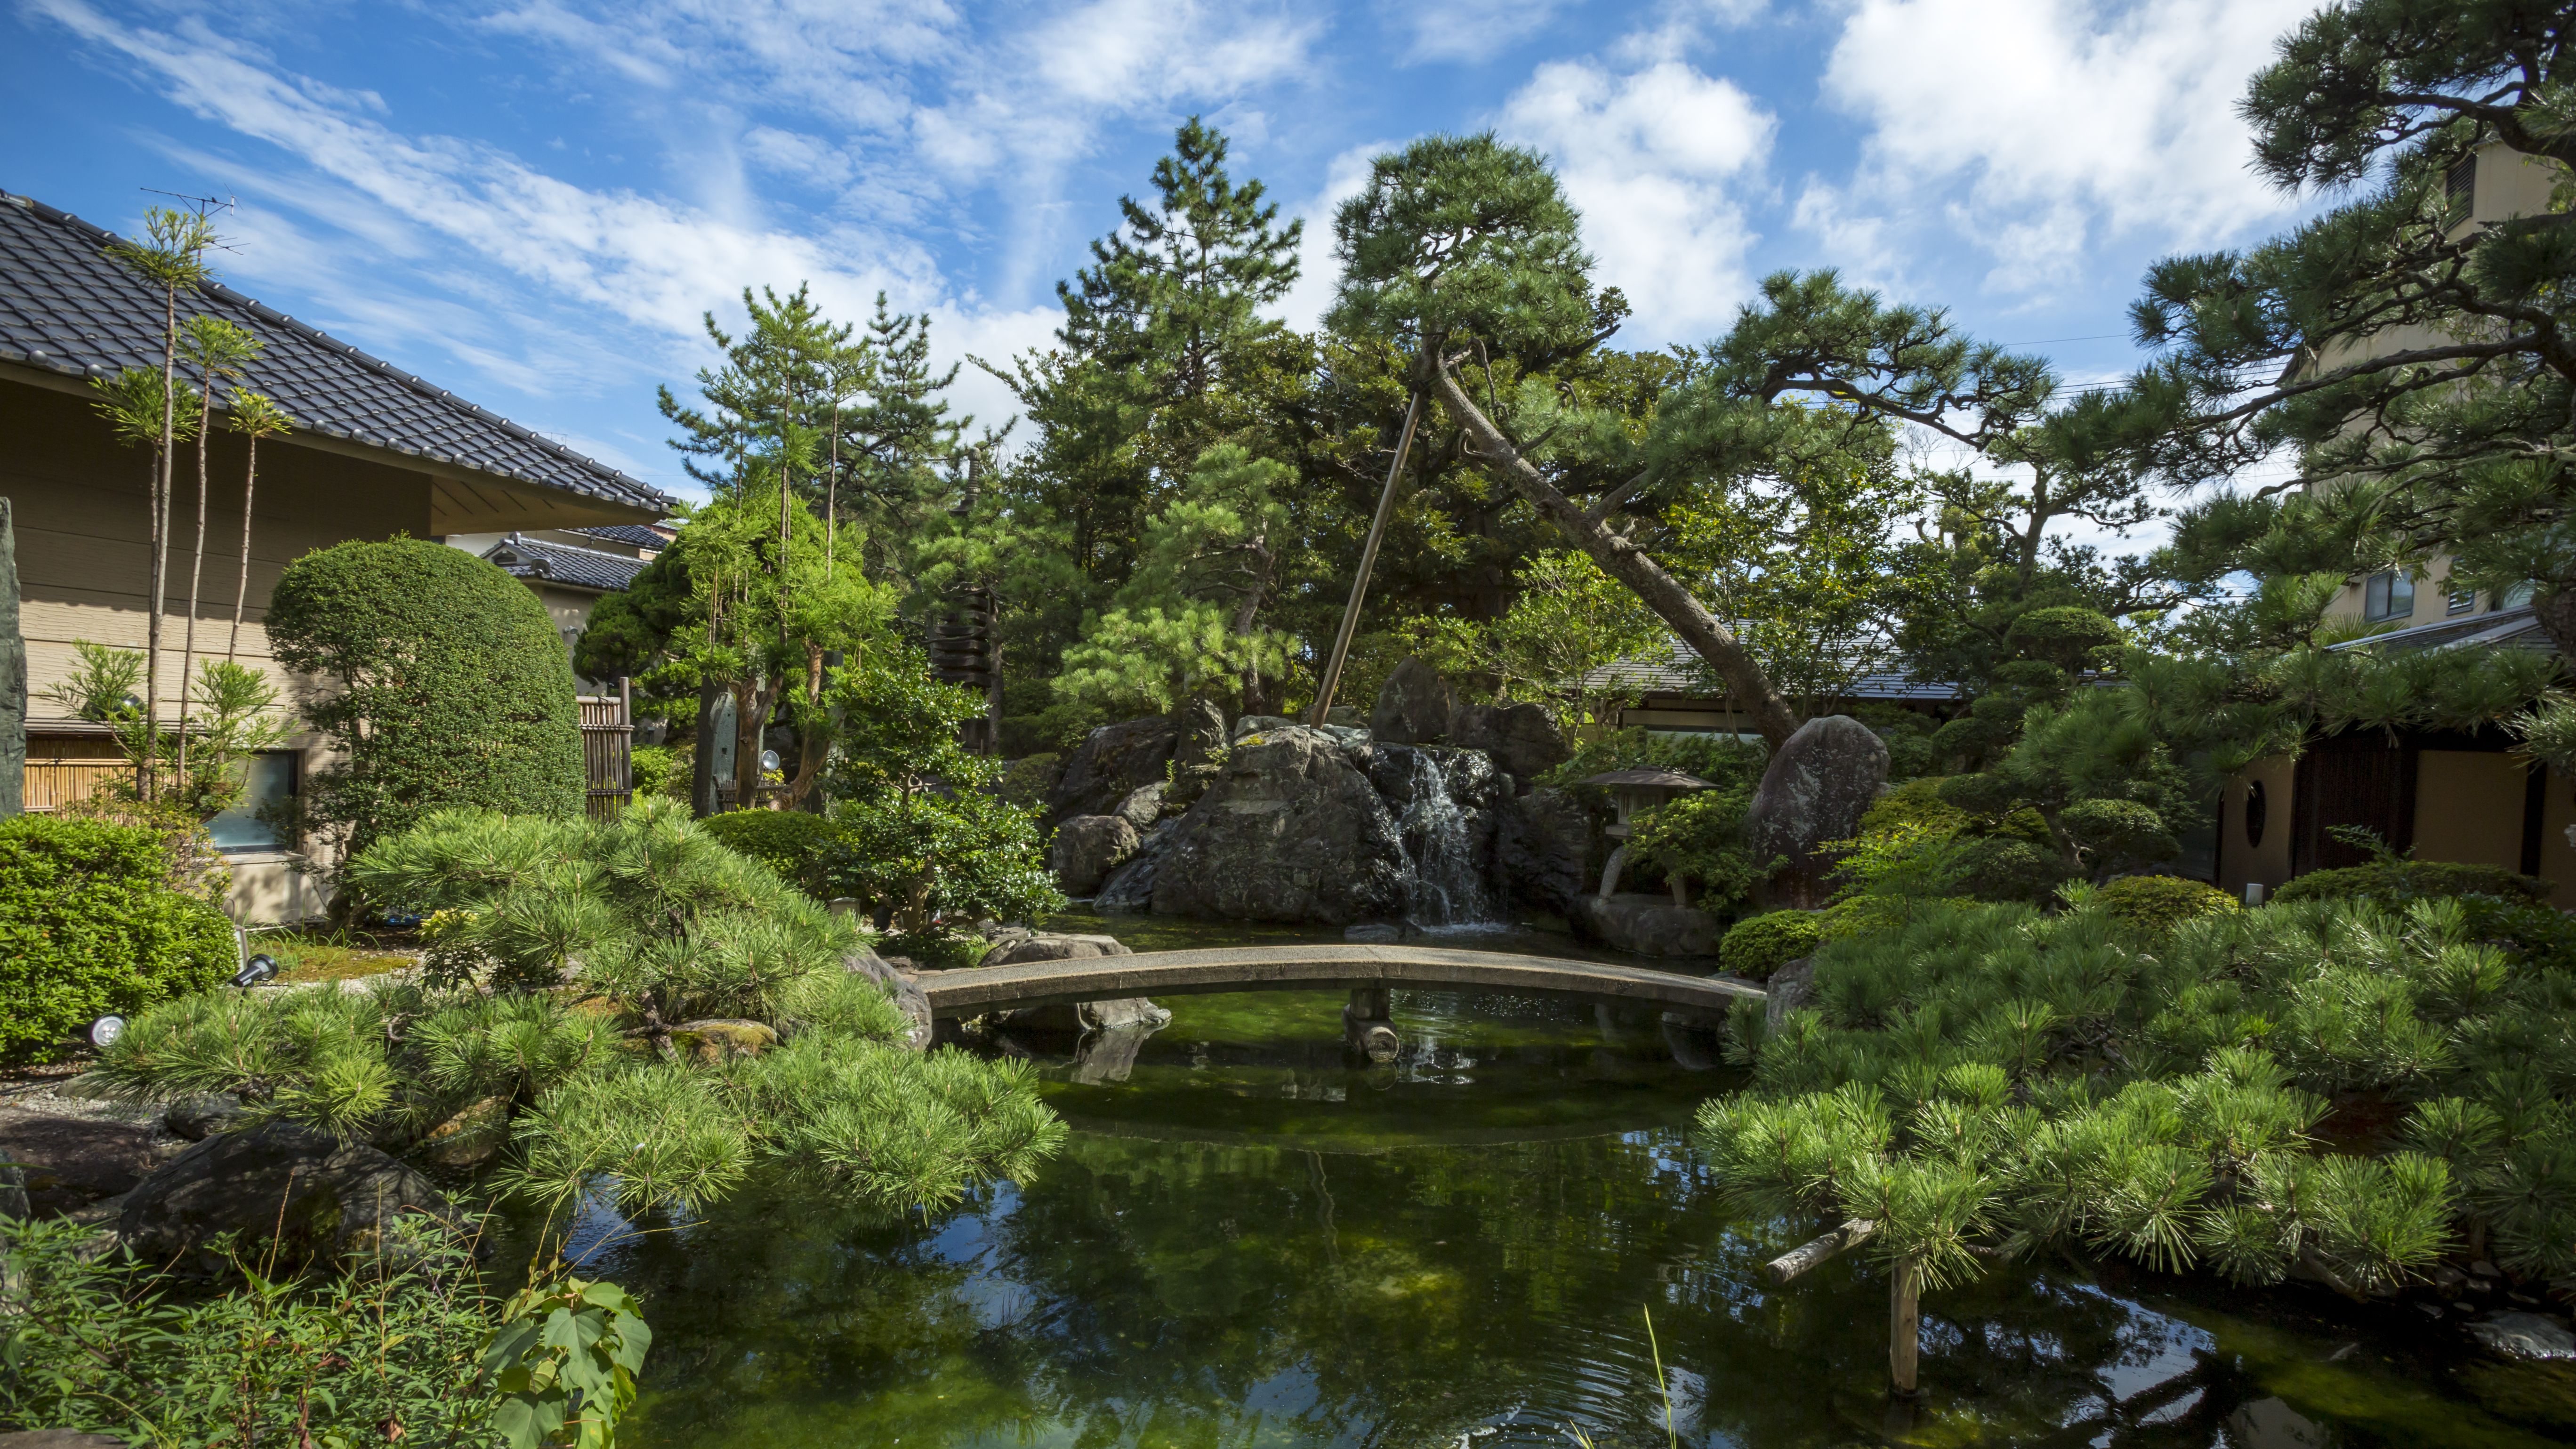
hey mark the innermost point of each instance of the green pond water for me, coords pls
(1251, 1239)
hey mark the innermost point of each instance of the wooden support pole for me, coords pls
(1368, 1024)
(1904, 1326)
(1368, 560)
(1821, 1250)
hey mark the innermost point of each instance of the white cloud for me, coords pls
(1468, 30)
(2037, 128)
(1650, 157)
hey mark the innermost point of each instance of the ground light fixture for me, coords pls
(258, 969)
(104, 1031)
(768, 761)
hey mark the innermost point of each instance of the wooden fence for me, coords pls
(608, 749)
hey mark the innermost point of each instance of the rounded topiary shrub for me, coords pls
(90, 926)
(1759, 945)
(790, 842)
(445, 685)
(2397, 882)
(2155, 904)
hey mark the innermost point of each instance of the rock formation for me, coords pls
(321, 1198)
(1111, 763)
(1413, 706)
(1293, 831)
(1087, 848)
(1543, 851)
(1522, 738)
(1815, 790)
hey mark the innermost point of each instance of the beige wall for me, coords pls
(2266, 862)
(2557, 852)
(84, 533)
(2468, 807)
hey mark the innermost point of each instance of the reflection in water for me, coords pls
(1250, 1240)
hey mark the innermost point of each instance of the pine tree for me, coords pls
(2418, 364)
(254, 416)
(219, 351)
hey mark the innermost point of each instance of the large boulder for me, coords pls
(1413, 706)
(1121, 1013)
(73, 1159)
(321, 1198)
(1522, 738)
(1293, 831)
(1544, 849)
(1129, 890)
(1112, 763)
(1647, 925)
(1087, 848)
(1142, 807)
(905, 991)
(1199, 730)
(1816, 789)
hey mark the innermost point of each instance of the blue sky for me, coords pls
(531, 203)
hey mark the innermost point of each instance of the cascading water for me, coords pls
(1448, 886)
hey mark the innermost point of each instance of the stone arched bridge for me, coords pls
(1368, 971)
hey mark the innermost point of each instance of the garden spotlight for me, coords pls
(104, 1031)
(768, 760)
(259, 969)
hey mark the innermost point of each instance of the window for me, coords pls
(268, 778)
(2461, 601)
(2460, 190)
(2387, 595)
(2515, 597)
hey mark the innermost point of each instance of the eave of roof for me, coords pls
(68, 309)
(563, 564)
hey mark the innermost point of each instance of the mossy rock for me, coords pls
(718, 1039)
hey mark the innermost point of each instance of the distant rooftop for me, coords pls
(1677, 670)
(655, 536)
(2515, 628)
(556, 563)
(67, 307)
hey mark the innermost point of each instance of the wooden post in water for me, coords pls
(1368, 1022)
(1904, 1326)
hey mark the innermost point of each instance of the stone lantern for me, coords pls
(1636, 791)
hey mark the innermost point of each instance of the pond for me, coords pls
(1252, 1240)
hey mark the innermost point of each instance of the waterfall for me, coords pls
(1448, 886)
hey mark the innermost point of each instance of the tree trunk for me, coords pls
(1660, 591)
(160, 536)
(13, 674)
(702, 755)
(196, 576)
(241, 587)
(1904, 1327)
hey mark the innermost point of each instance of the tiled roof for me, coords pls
(67, 307)
(639, 535)
(556, 563)
(1679, 671)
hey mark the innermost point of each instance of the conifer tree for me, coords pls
(254, 416)
(172, 258)
(2418, 362)
(219, 351)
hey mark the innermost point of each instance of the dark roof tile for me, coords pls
(556, 563)
(66, 306)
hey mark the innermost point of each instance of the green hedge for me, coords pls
(1759, 945)
(2155, 904)
(89, 926)
(450, 687)
(2395, 883)
(790, 842)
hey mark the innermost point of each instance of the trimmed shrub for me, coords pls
(444, 685)
(2395, 883)
(2153, 905)
(89, 926)
(794, 844)
(659, 771)
(1759, 945)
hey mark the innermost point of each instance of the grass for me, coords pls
(310, 956)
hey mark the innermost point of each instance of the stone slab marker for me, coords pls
(13, 673)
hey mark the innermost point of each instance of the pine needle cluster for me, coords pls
(605, 994)
(1988, 1081)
